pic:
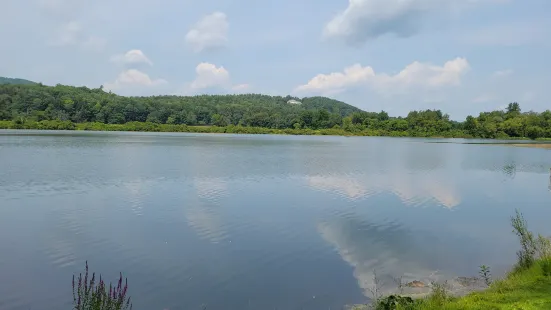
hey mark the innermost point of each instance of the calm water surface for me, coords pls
(255, 222)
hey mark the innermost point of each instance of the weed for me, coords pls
(528, 246)
(485, 274)
(394, 302)
(375, 290)
(89, 296)
(543, 247)
(546, 267)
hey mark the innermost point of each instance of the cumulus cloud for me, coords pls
(133, 78)
(210, 32)
(367, 19)
(416, 74)
(131, 57)
(210, 76)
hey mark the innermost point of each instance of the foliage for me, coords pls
(526, 289)
(89, 296)
(528, 246)
(84, 105)
(485, 274)
(27, 105)
(394, 301)
(546, 266)
(528, 286)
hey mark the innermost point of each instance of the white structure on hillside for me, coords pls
(293, 101)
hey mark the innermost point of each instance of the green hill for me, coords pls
(81, 104)
(5, 80)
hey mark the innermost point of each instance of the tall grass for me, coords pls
(531, 248)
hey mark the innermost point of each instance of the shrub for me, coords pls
(546, 267)
(527, 253)
(89, 296)
(485, 274)
(392, 302)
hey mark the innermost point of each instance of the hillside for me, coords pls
(81, 104)
(25, 106)
(6, 80)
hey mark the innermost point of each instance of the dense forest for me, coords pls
(36, 106)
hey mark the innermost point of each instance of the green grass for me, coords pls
(526, 287)
(523, 289)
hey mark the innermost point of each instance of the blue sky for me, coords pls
(461, 56)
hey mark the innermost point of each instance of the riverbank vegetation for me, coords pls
(527, 286)
(91, 295)
(36, 106)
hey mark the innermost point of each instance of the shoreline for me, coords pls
(172, 128)
(231, 129)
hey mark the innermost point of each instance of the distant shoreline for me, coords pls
(535, 145)
(154, 127)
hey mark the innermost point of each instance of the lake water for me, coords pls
(255, 222)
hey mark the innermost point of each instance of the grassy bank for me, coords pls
(526, 287)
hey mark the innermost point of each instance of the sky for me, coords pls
(460, 56)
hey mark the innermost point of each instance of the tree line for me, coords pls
(67, 107)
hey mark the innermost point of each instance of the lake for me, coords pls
(255, 222)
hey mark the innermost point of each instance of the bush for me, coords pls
(394, 302)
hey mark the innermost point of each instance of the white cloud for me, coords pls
(484, 98)
(133, 78)
(132, 57)
(367, 19)
(208, 75)
(502, 73)
(416, 74)
(210, 32)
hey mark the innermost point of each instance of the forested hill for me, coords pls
(81, 104)
(61, 107)
(6, 80)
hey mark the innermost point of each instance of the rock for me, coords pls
(416, 284)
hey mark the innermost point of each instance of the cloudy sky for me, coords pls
(461, 56)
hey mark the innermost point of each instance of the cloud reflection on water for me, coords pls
(411, 189)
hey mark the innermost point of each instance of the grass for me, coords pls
(523, 289)
(526, 287)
